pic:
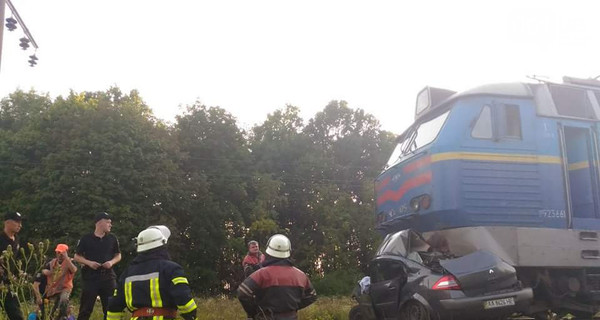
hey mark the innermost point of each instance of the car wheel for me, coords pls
(414, 311)
(356, 314)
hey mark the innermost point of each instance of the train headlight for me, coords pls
(420, 202)
(414, 204)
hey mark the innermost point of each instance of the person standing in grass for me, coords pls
(98, 252)
(59, 273)
(153, 286)
(39, 289)
(253, 260)
(277, 290)
(12, 226)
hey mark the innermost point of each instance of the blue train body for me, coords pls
(493, 160)
(510, 168)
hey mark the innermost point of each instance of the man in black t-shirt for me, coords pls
(39, 289)
(12, 226)
(98, 252)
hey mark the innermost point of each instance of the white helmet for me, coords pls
(165, 231)
(153, 237)
(279, 246)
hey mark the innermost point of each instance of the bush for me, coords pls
(18, 272)
(224, 308)
(327, 308)
(337, 283)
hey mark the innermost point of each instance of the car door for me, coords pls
(388, 276)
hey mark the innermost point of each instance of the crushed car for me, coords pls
(413, 278)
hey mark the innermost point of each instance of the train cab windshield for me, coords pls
(416, 137)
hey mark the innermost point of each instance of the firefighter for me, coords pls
(153, 286)
(277, 290)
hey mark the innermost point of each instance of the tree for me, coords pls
(326, 171)
(88, 152)
(218, 168)
(213, 184)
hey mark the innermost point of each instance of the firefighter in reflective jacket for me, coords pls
(277, 290)
(152, 286)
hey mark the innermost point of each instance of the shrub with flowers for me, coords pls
(17, 272)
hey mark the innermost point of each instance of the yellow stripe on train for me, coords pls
(496, 157)
(504, 157)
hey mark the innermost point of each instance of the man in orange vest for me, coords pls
(59, 273)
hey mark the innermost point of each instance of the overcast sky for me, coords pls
(253, 57)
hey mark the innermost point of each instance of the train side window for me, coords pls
(597, 94)
(509, 121)
(572, 102)
(482, 129)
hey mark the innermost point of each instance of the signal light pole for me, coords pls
(2, 9)
(11, 25)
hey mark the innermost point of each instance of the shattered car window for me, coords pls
(416, 245)
(394, 244)
(412, 245)
(438, 249)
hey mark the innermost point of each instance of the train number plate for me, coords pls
(498, 303)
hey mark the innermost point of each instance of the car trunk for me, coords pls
(481, 272)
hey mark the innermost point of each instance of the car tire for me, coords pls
(414, 311)
(356, 314)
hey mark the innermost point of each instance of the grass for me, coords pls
(225, 308)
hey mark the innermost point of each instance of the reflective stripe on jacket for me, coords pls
(152, 281)
(277, 288)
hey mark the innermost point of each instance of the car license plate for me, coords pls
(498, 303)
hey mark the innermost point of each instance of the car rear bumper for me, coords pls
(474, 306)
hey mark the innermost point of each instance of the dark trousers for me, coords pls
(61, 303)
(92, 289)
(12, 307)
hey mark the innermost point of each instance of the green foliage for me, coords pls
(223, 308)
(337, 283)
(217, 164)
(17, 272)
(85, 153)
(325, 169)
(328, 308)
(263, 228)
(215, 185)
